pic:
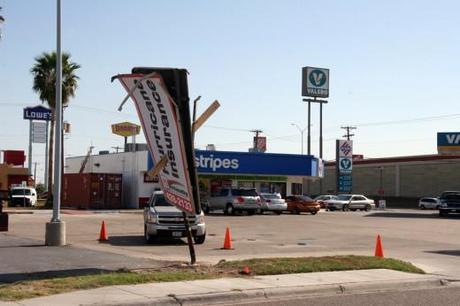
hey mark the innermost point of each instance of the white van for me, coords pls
(23, 196)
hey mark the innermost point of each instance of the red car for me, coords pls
(300, 203)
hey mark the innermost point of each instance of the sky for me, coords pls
(393, 69)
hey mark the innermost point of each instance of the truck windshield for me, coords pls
(20, 192)
(160, 200)
(244, 192)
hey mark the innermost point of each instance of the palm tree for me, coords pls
(44, 73)
(2, 19)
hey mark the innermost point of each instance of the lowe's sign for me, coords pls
(449, 143)
(226, 162)
(37, 113)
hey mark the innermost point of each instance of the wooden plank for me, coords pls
(205, 116)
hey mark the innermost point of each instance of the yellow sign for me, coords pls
(126, 129)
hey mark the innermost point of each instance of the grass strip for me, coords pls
(258, 266)
(271, 266)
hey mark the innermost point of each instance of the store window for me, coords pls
(246, 184)
(296, 188)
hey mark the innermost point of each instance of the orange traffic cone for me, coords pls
(103, 234)
(378, 247)
(245, 270)
(227, 240)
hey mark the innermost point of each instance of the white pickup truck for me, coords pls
(23, 196)
(231, 200)
(161, 219)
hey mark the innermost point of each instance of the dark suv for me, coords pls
(450, 203)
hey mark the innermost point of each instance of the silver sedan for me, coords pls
(351, 202)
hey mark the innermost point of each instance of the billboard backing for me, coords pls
(161, 125)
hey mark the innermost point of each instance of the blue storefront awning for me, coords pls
(248, 163)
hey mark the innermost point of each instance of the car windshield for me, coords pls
(161, 201)
(20, 191)
(245, 192)
(452, 197)
(344, 197)
(271, 196)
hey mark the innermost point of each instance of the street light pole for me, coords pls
(301, 135)
(55, 229)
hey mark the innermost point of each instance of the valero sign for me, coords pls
(126, 129)
(344, 165)
(159, 118)
(315, 82)
(449, 143)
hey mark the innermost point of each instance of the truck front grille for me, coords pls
(174, 220)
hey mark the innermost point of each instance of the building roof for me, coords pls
(400, 159)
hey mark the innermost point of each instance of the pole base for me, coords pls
(55, 234)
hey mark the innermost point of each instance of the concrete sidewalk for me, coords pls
(236, 290)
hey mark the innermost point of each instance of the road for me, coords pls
(434, 296)
(420, 237)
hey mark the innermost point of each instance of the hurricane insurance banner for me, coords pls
(159, 118)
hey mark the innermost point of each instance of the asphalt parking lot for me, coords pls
(420, 237)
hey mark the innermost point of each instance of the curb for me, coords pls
(273, 294)
(18, 212)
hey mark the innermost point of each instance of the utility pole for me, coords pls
(55, 229)
(257, 132)
(348, 129)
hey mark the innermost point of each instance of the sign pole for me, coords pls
(46, 156)
(30, 149)
(308, 128)
(191, 247)
(321, 143)
(321, 130)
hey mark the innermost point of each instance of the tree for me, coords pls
(44, 84)
(2, 19)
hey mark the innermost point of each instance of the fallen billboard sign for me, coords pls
(160, 121)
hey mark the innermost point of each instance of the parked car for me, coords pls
(351, 202)
(450, 203)
(231, 200)
(23, 196)
(272, 202)
(321, 199)
(301, 203)
(161, 219)
(428, 202)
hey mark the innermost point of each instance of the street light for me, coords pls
(301, 135)
(55, 234)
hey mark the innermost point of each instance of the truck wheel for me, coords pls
(229, 210)
(199, 239)
(296, 211)
(148, 238)
(313, 212)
